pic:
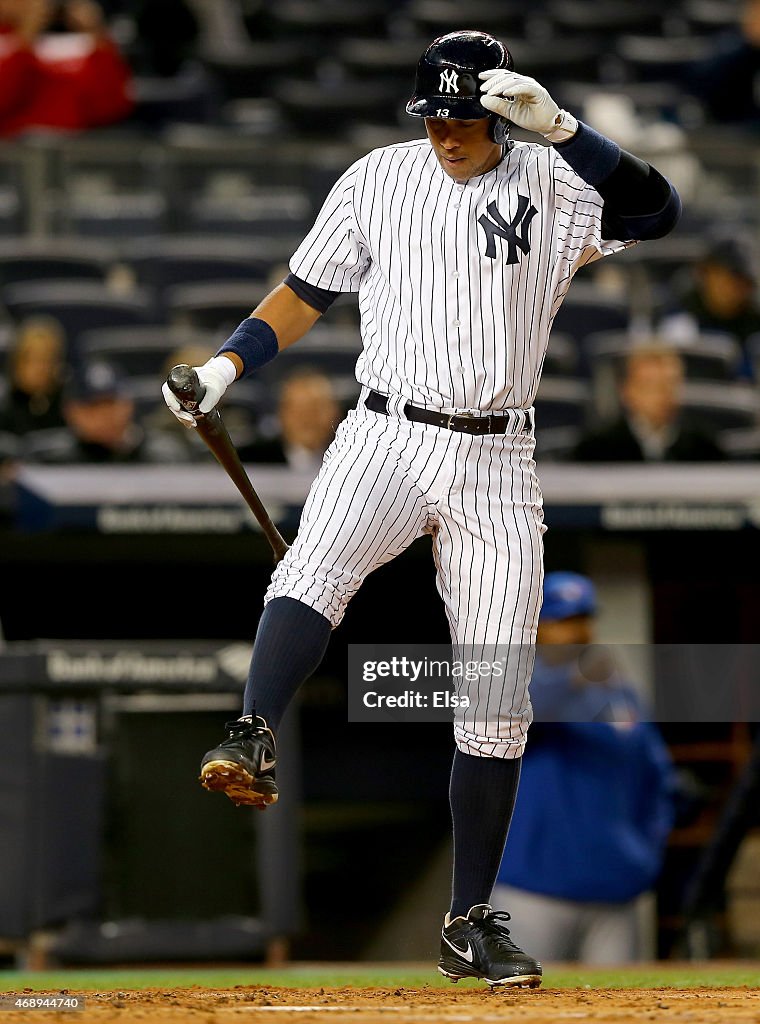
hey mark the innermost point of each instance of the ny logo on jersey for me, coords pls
(508, 230)
(449, 81)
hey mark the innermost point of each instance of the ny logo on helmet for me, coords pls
(449, 81)
(508, 229)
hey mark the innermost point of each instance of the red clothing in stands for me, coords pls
(66, 84)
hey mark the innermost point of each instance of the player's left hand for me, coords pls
(215, 376)
(521, 100)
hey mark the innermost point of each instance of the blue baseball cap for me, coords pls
(567, 594)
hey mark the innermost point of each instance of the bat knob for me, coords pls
(184, 384)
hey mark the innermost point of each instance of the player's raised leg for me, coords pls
(363, 509)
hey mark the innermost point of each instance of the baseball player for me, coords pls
(461, 246)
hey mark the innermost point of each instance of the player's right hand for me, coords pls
(215, 376)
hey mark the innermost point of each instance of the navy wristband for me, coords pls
(254, 342)
(592, 156)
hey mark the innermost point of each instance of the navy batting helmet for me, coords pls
(447, 83)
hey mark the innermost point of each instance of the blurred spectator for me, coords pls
(35, 378)
(652, 426)
(308, 414)
(728, 82)
(595, 804)
(73, 81)
(102, 425)
(722, 297)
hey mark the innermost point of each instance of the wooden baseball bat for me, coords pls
(184, 384)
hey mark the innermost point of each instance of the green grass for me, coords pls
(682, 975)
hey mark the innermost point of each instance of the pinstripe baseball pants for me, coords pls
(386, 481)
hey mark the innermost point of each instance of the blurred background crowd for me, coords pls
(162, 159)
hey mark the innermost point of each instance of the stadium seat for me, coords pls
(164, 262)
(142, 350)
(215, 161)
(431, 18)
(707, 17)
(78, 305)
(585, 311)
(213, 306)
(7, 334)
(561, 356)
(113, 215)
(589, 19)
(381, 58)
(30, 259)
(660, 58)
(556, 444)
(188, 96)
(10, 211)
(321, 23)
(652, 101)
(707, 356)
(723, 406)
(330, 109)
(555, 59)
(562, 403)
(330, 348)
(123, 161)
(741, 444)
(752, 347)
(662, 258)
(249, 74)
(712, 355)
(253, 116)
(274, 212)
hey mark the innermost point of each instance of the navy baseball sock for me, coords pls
(482, 795)
(290, 643)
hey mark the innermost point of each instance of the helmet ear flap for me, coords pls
(498, 129)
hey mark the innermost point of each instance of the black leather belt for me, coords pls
(516, 421)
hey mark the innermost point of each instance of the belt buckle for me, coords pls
(451, 416)
(476, 419)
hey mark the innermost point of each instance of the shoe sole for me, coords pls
(516, 981)
(239, 785)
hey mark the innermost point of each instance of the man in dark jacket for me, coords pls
(652, 426)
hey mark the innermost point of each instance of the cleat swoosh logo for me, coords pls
(266, 765)
(466, 954)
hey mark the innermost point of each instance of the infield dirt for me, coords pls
(262, 1003)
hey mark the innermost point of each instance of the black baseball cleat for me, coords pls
(243, 765)
(479, 946)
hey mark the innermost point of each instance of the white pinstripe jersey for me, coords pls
(458, 283)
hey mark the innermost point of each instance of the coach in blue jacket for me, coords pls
(595, 807)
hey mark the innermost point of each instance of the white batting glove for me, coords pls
(216, 376)
(526, 103)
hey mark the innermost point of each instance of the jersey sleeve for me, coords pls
(579, 209)
(334, 255)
